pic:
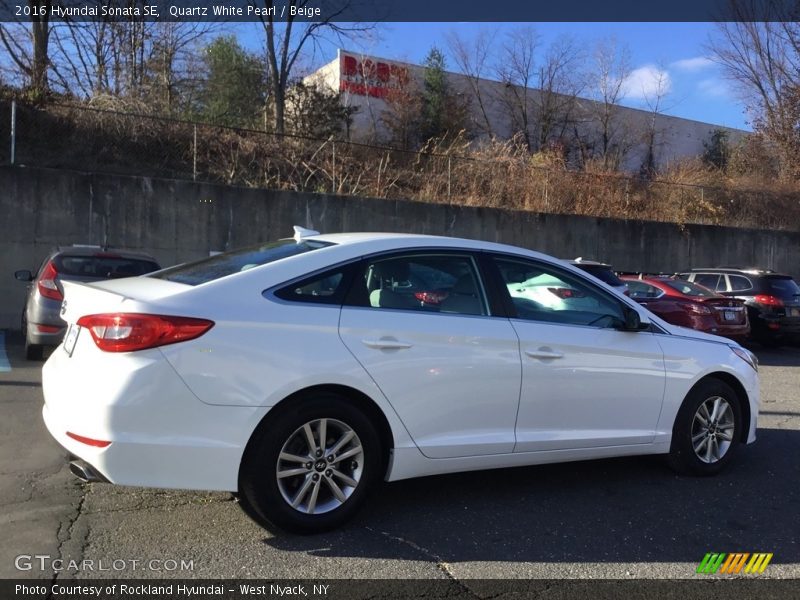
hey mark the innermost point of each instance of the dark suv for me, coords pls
(772, 299)
(41, 319)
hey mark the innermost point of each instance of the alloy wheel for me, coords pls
(320, 466)
(713, 429)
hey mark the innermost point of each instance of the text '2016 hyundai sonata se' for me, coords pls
(299, 373)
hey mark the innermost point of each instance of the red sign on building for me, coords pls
(370, 77)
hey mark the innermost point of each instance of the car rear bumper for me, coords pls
(160, 434)
(42, 338)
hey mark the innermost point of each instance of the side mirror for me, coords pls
(23, 275)
(633, 322)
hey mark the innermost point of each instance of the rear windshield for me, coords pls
(103, 267)
(785, 287)
(228, 263)
(687, 288)
(604, 274)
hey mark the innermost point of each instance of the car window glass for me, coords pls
(228, 263)
(603, 273)
(783, 286)
(709, 280)
(324, 288)
(687, 288)
(739, 283)
(542, 293)
(639, 290)
(431, 283)
(103, 266)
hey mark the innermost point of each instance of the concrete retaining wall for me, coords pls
(176, 221)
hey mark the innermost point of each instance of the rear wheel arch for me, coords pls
(352, 396)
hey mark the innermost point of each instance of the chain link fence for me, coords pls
(498, 175)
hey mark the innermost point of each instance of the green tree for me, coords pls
(317, 113)
(232, 92)
(717, 149)
(444, 112)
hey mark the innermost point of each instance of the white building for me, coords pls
(367, 82)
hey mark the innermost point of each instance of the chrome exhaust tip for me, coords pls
(85, 472)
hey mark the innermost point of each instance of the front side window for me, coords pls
(441, 283)
(542, 293)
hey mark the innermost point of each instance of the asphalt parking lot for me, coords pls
(619, 518)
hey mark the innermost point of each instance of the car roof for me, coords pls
(384, 241)
(722, 270)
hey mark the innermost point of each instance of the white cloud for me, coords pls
(646, 83)
(715, 88)
(698, 63)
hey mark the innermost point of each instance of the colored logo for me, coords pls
(734, 563)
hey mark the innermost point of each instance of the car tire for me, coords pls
(316, 493)
(32, 351)
(707, 430)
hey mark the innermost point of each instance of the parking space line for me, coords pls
(5, 366)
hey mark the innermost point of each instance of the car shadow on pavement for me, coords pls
(783, 356)
(618, 510)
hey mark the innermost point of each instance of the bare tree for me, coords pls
(286, 40)
(559, 80)
(402, 116)
(606, 137)
(517, 70)
(474, 59)
(763, 60)
(654, 98)
(28, 48)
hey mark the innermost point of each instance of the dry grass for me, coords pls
(497, 174)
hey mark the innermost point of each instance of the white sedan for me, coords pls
(299, 373)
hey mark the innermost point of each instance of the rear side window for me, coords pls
(228, 263)
(687, 288)
(785, 287)
(710, 280)
(103, 267)
(639, 290)
(442, 283)
(739, 283)
(329, 287)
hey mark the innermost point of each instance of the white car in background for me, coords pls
(299, 373)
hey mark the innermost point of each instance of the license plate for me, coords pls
(729, 315)
(795, 312)
(71, 338)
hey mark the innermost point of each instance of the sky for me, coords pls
(675, 53)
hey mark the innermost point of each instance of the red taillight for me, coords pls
(768, 300)
(695, 308)
(88, 441)
(47, 328)
(430, 297)
(47, 283)
(565, 293)
(126, 332)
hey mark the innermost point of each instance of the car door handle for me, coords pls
(386, 344)
(544, 353)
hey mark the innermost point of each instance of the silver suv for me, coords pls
(41, 319)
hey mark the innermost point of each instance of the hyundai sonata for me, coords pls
(299, 373)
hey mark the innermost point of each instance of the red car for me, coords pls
(690, 305)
